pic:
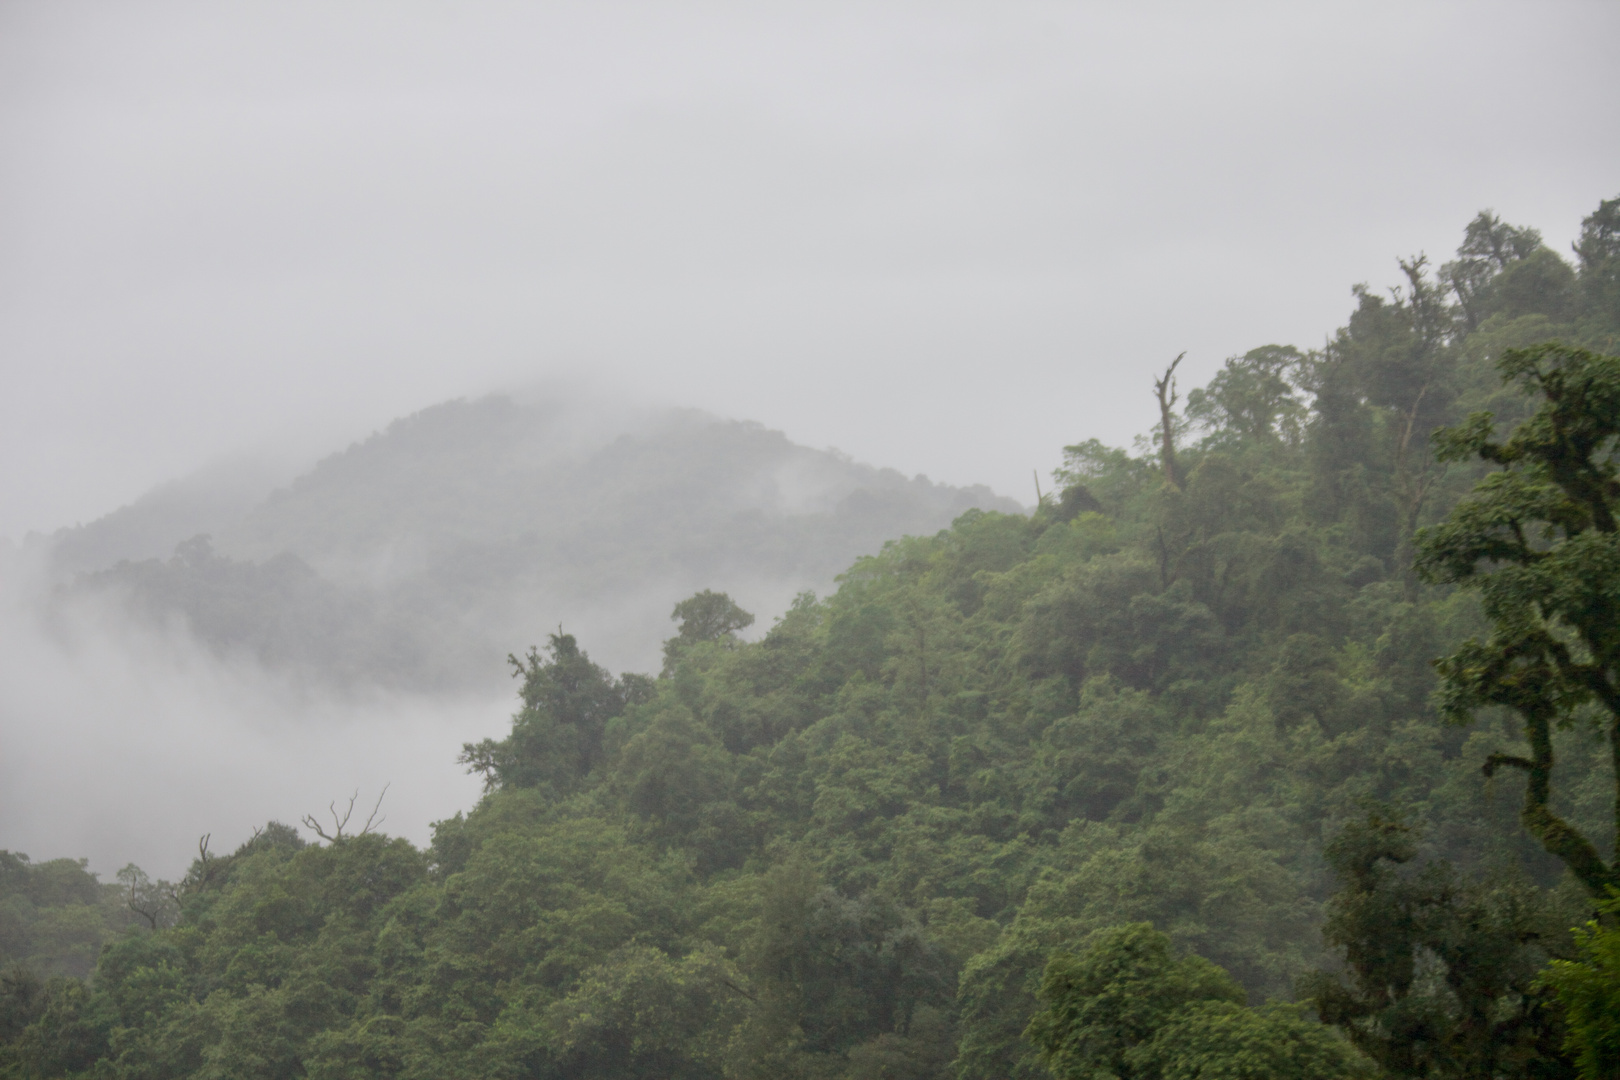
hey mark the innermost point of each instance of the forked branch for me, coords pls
(340, 822)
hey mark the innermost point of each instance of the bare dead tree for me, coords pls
(147, 910)
(341, 822)
(201, 873)
(1164, 388)
(205, 860)
(142, 896)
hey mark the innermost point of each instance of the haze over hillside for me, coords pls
(395, 684)
(419, 557)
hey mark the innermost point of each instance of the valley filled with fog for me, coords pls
(229, 648)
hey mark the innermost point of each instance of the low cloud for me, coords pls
(122, 742)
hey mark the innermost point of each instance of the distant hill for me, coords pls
(419, 557)
(207, 501)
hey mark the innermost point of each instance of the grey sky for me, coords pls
(947, 237)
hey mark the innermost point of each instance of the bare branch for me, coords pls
(200, 874)
(340, 822)
(1496, 761)
(138, 894)
(1164, 388)
(372, 818)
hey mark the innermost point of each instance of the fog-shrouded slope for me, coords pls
(204, 502)
(420, 557)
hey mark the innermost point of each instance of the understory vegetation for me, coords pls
(1158, 781)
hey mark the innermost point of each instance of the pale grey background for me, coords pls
(944, 237)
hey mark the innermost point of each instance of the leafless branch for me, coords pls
(372, 818)
(1164, 388)
(341, 821)
(314, 825)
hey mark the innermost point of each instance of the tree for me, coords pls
(1103, 1004)
(678, 779)
(54, 1036)
(1128, 1008)
(1074, 500)
(1253, 397)
(557, 736)
(1490, 245)
(834, 973)
(640, 1013)
(156, 902)
(707, 616)
(1589, 989)
(1598, 250)
(1538, 541)
(1164, 390)
(1439, 974)
(1217, 1040)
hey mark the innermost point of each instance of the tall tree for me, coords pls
(705, 616)
(1490, 245)
(1439, 974)
(1598, 250)
(1253, 398)
(557, 736)
(1164, 390)
(1538, 541)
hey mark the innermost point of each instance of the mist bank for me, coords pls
(123, 741)
(416, 559)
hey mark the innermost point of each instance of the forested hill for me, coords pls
(415, 558)
(1095, 791)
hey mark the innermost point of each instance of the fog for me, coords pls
(943, 238)
(947, 238)
(123, 741)
(123, 744)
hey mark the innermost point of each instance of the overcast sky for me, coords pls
(945, 237)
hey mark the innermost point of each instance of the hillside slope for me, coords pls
(1195, 691)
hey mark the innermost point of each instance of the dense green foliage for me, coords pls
(55, 915)
(1589, 988)
(1540, 542)
(1442, 970)
(1113, 767)
(1128, 1008)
